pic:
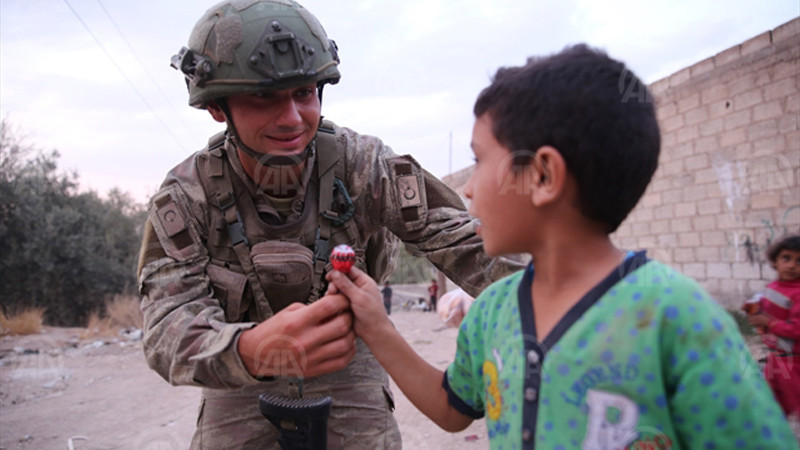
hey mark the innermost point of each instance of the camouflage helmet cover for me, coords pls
(247, 46)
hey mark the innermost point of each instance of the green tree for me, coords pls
(60, 249)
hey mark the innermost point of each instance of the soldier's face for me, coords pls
(277, 122)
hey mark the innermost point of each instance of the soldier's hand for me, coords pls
(301, 340)
(365, 300)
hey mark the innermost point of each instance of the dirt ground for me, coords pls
(58, 391)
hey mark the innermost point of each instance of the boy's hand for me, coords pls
(759, 320)
(365, 300)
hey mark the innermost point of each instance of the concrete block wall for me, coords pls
(728, 182)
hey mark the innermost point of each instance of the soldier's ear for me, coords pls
(215, 111)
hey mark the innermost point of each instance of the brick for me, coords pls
(666, 110)
(769, 145)
(689, 240)
(707, 254)
(710, 206)
(643, 214)
(728, 56)
(671, 168)
(743, 83)
(689, 102)
(719, 270)
(640, 229)
(720, 108)
(658, 88)
(711, 237)
(714, 94)
(668, 139)
(784, 69)
(705, 176)
(665, 211)
(696, 115)
(793, 103)
(706, 145)
(695, 270)
(765, 200)
(737, 119)
(682, 225)
(788, 123)
(748, 99)
(659, 227)
(672, 196)
(679, 77)
(762, 130)
(694, 193)
(688, 133)
(650, 200)
(668, 240)
(789, 30)
(755, 44)
(683, 255)
(673, 123)
(781, 89)
(767, 110)
(703, 224)
(711, 127)
(733, 137)
(696, 162)
(746, 271)
(704, 66)
(711, 286)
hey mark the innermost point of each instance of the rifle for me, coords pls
(302, 422)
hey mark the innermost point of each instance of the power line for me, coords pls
(142, 65)
(128, 80)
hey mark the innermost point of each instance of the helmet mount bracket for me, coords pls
(280, 54)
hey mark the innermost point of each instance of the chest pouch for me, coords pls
(285, 270)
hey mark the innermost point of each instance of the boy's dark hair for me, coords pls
(790, 242)
(594, 111)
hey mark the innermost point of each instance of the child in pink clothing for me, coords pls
(780, 320)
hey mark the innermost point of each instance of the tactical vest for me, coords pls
(257, 269)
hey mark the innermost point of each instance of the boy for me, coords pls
(597, 348)
(780, 320)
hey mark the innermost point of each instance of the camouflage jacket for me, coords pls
(190, 334)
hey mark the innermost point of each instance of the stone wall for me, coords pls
(728, 182)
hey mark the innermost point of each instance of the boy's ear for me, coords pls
(550, 176)
(215, 111)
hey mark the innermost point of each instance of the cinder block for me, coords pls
(755, 44)
(719, 270)
(696, 162)
(787, 124)
(710, 206)
(706, 145)
(762, 130)
(710, 236)
(789, 30)
(665, 211)
(707, 254)
(689, 102)
(683, 255)
(714, 93)
(748, 99)
(679, 77)
(688, 133)
(666, 110)
(680, 225)
(704, 66)
(768, 110)
(689, 240)
(746, 271)
(765, 200)
(697, 115)
(695, 270)
(738, 119)
(793, 103)
(672, 123)
(659, 227)
(728, 56)
(780, 89)
(733, 137)
(711, 127)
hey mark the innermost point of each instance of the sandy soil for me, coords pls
(58, 391)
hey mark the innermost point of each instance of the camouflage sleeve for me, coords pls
(186, 338)
(429, 217)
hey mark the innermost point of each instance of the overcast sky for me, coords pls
(91, 78)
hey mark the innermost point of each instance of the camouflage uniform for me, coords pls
(196, 303)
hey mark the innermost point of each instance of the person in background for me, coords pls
(433, 292)
(591, 346)
(779, 322)
(387, 297)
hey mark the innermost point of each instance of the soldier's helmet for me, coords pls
(248, 46)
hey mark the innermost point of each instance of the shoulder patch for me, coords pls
(409, 191)
(170, 222)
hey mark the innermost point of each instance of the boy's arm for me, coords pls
(789, 328)
(419, 381)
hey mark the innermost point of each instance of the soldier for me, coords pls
(235, 252)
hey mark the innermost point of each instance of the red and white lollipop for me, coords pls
(342, 258)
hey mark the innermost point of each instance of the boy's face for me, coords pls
(787, 264)
(498, 197)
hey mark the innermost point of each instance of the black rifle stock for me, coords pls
(302, 422)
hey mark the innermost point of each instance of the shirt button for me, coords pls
(530, 394)
(526, 435)
(533, 357)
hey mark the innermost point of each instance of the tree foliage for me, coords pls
(60, 249)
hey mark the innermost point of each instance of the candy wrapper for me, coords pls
(453, 306)
(342, 258)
